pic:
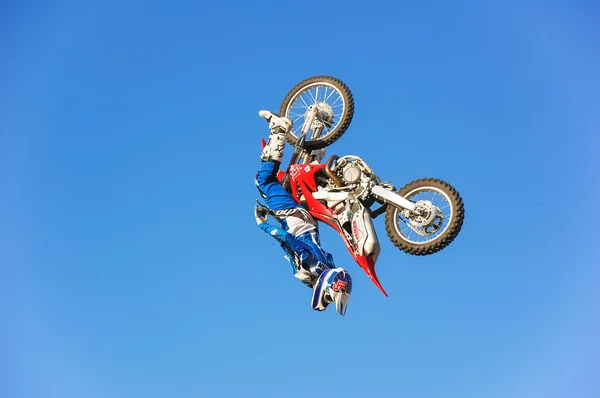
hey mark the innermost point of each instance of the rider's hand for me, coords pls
(261, 214)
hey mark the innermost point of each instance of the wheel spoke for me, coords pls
(441, 201)
(332, 92)
(312, 96)
(302, 99)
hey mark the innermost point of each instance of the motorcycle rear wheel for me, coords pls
(330, 94)
(449, 227)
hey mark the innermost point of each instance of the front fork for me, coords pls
(309, 118)
(309, 121)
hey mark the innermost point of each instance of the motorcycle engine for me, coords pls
(351, 174)
(356, 175)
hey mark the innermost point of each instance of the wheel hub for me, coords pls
(426, 219)
(324, 115)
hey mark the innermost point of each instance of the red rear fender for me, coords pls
(367, 263)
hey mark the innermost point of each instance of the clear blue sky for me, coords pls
(130, 262)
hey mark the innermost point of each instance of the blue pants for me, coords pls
(306, 246)
(270, 189)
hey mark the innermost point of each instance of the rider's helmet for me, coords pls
(333, 286)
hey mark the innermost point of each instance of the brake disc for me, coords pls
(426, 219)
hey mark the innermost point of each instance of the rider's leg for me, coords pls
(275, 195)
(270, 189)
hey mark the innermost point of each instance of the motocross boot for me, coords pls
(333, 286)
(280, 127)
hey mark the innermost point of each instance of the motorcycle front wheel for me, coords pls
(436, 223)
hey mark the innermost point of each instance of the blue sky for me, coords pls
(131, 264)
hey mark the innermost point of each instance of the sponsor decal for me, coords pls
(339, 286)
(358, 234)
(295, 171)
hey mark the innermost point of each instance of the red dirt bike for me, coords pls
(421, 218)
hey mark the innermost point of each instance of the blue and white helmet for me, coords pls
(333, 286)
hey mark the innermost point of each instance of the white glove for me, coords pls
(261, 213)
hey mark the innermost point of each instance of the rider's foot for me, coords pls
(278, 125)
(333, 286)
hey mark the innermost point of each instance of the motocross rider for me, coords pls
(298, 233)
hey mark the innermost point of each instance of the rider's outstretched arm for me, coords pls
(276, 232)
(290, 242)
(261, 214)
